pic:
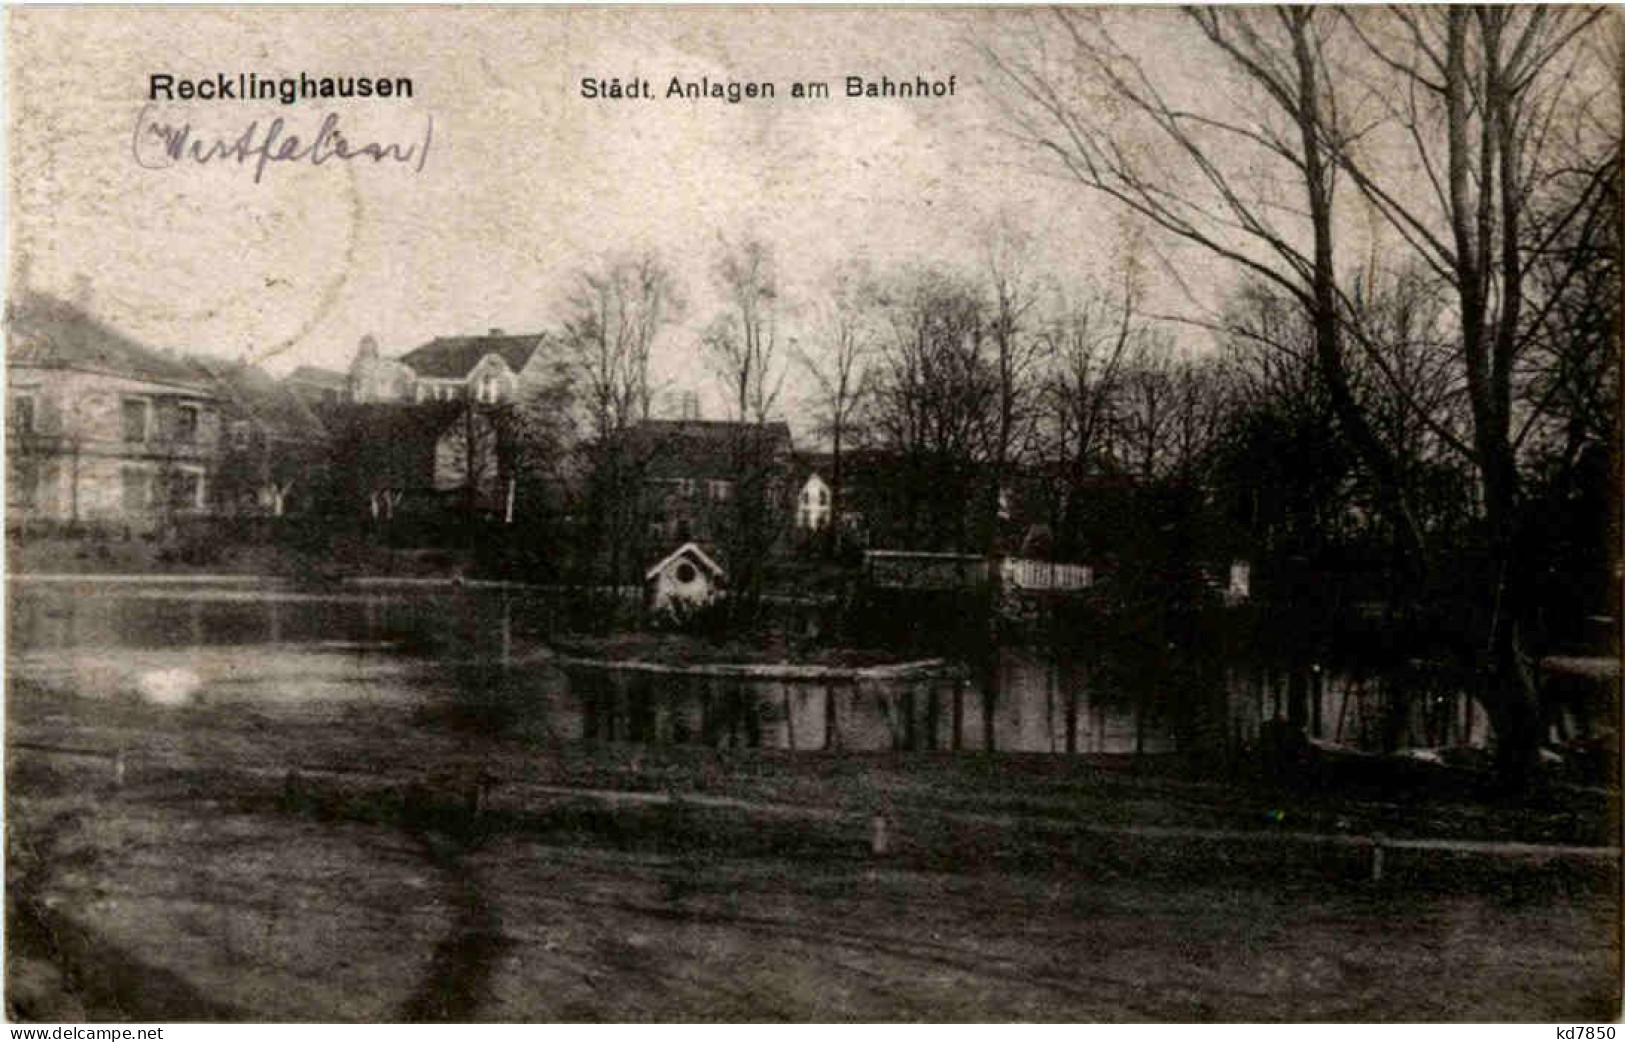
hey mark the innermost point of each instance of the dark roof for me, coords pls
(319, 377)
(453, 357)
(705, 448)
(253, 394)
(43, 331)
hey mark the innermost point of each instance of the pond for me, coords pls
(481, 657)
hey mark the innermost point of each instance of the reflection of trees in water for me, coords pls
(1086, 677)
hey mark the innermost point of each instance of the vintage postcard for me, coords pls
(696, 514)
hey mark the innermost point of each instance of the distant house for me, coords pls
(1240, 586)
(489, 369)
(318, 387)
(459, 436)
(813, 504)
(695, 471)
(273, 446)
(102, 428)
(687, 576)
(870, 494)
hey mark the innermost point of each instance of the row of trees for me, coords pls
(1475, 149)
(969, 383)
(1419, 212)
(1408, 383)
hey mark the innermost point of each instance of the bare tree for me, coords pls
(472, 457)
(1216, 180)
(1493, 101)
(1089, 340)
(1569, 399)
(1169, 411)
(933, 399)
(838, 363)
(1479, 95)
(1016, 355)
(742, 346)
(616, 313)
(742, 342)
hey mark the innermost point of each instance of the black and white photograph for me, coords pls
(812, 514)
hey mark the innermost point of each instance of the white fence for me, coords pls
(1024, 574)
(900, 569)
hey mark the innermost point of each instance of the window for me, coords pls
(241, 435)
(823, 497)
(186, 424)
(22, 483)
(22, 413)
(720, 490)
(185, 490)
(685, 573)
(135, 419)
(490, 389)
(135, 488)
(685, 486)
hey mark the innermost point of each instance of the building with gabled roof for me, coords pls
(492, 368)
(454, 357)
(44, 332)
(694, 472)
(102, 429)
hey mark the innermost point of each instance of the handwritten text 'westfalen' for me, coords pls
(157, 145)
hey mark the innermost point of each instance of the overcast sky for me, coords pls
(525, 181)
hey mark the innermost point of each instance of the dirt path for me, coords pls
(457, 984)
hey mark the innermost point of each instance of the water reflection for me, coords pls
(479, 659)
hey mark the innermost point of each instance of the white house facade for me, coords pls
(813, 505)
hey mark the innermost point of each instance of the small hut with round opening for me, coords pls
(687, 577)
